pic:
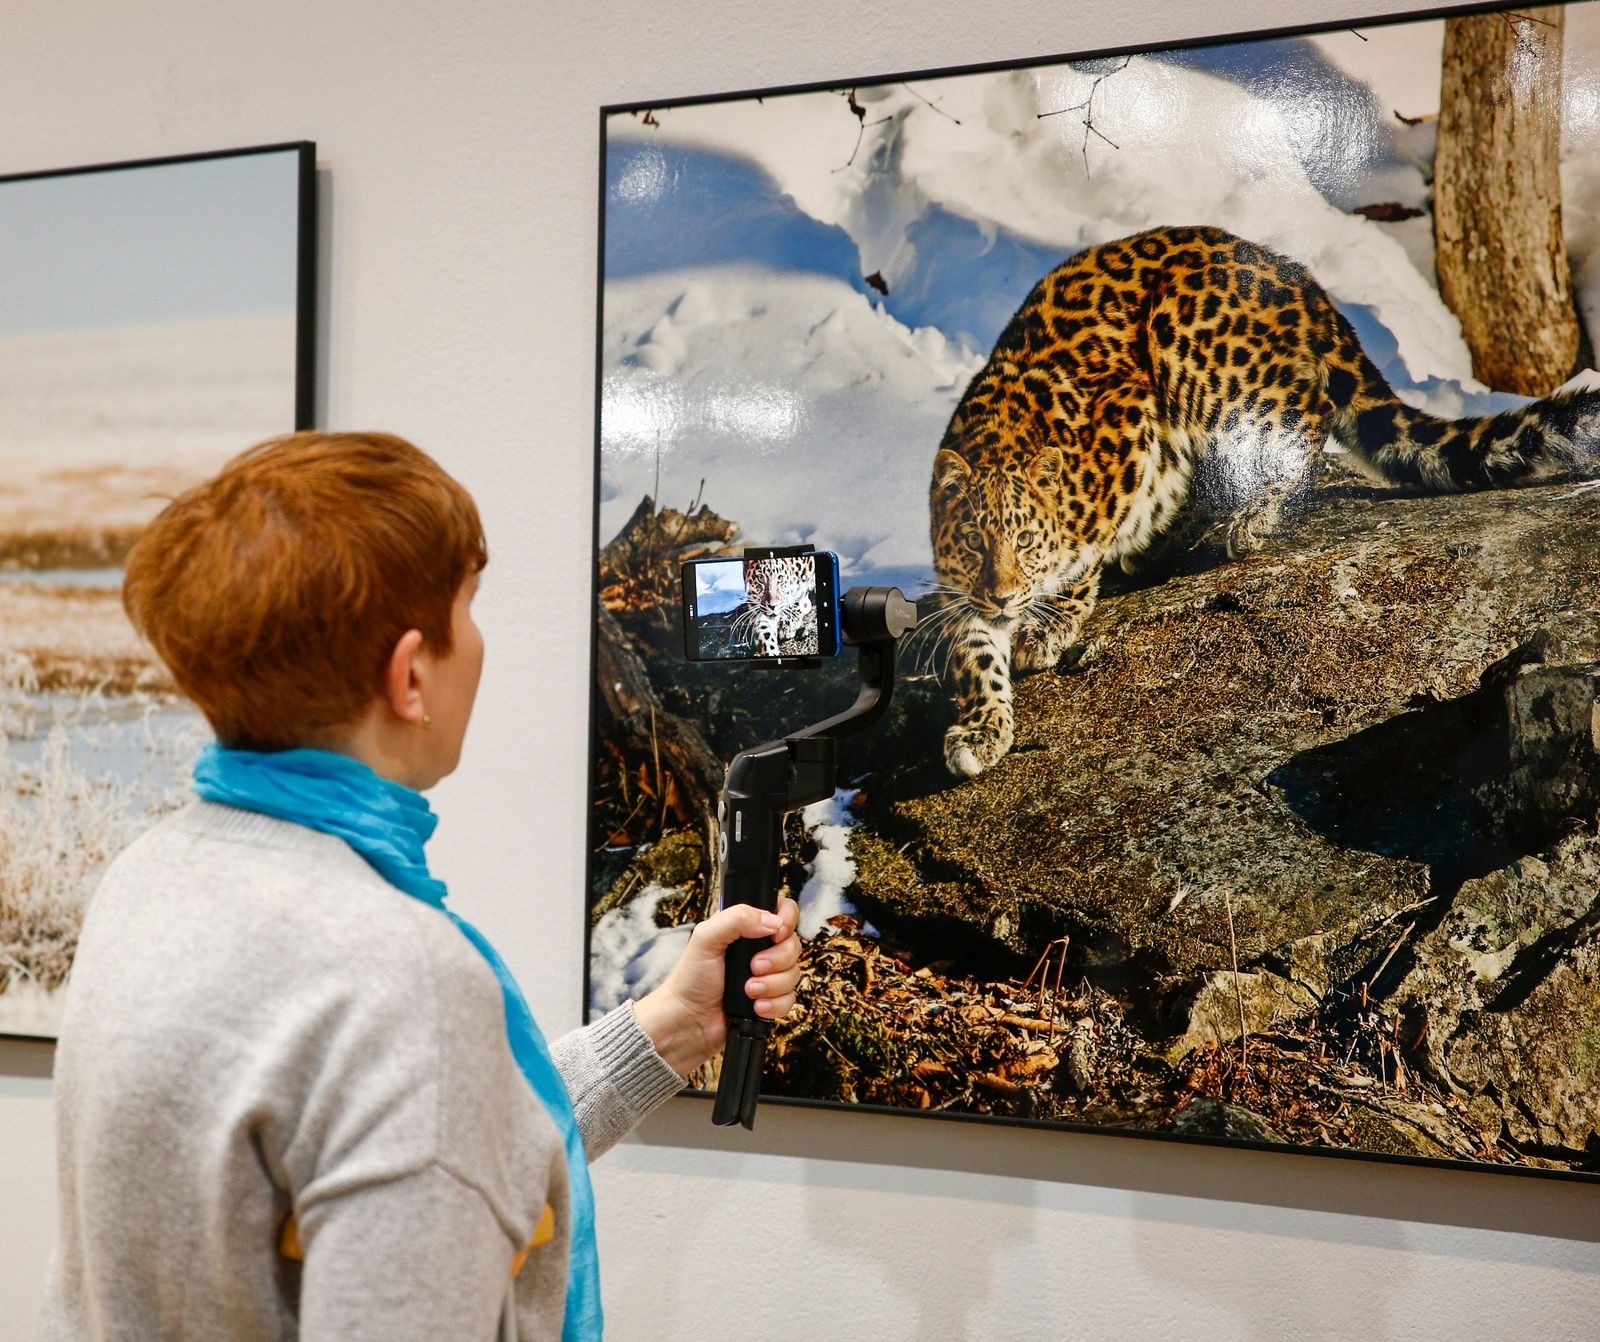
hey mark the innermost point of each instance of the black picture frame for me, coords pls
(646, 109)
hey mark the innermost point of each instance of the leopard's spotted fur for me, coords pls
(1075, 445)
(780, 607)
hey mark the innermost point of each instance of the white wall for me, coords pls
(461, 139)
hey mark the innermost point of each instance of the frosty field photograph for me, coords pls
(148, 332)
(1231, 412)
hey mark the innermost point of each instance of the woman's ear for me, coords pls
(402, 679)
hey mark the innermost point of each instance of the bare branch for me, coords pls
(934, 105)
(860, 114)
(1087, 108)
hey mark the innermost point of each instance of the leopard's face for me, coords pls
(997, 536)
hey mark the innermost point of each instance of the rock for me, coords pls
(1553, 715)
(1244, 729)
(1505, 995)
(1365, 781)
(1206, 1117)
(1376, 1127)
(1213, 1014)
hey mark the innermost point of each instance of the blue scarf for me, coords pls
(387, 824)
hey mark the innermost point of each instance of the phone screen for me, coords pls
(761, 609)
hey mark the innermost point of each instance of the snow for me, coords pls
(833, 869)
(985, 155)
(809, 414)
(628, 954)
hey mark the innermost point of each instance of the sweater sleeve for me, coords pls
(614, 1075)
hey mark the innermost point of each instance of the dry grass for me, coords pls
(84, 514)
(60, 824)
(77, 639)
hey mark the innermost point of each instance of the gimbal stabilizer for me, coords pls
(764, 784)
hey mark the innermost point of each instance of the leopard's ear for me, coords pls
(950, 471)
(1046, 467)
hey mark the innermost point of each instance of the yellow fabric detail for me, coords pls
(543, 1233)
(289, 1240)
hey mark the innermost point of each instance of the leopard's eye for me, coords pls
(969, 534)
(1024, 539)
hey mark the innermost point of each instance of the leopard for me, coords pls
(780, 612)
(1129, 366)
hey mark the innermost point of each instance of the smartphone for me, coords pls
(761, 609)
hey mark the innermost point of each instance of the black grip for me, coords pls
(735, 1001)
(749, 844)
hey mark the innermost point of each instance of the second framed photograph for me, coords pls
(1230, 410)
(156, 318)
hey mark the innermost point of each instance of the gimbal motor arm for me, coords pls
(764, 784)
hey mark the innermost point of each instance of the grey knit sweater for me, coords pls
(259, 1026)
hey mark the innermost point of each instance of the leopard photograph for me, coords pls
(1231, 413)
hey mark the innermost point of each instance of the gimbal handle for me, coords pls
(764, 784)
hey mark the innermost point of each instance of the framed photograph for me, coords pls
(156, 317)
(1229, 410)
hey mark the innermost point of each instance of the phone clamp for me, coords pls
(763, 785)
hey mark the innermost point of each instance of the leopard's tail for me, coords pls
(1557, 435)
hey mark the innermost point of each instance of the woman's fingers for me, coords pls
(777, 969)
(785, 955)
(789, 913)
(774, 1008)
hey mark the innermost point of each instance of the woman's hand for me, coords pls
(683, 1017)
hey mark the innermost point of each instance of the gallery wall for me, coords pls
(460, 147)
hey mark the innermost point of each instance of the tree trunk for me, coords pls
(1501, 257)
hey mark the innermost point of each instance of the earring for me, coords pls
(426, 722)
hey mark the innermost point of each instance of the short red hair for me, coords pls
(276, 592)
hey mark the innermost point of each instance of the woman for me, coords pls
(296, 1097)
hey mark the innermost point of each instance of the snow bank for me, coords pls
(628, 954)
(810, 415)
(1190, 147)
(833, 869)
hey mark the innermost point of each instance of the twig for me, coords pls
(1087, 108)
(623, 827)
(1378, 972)
(1060, 945)
(655, 756)
(1238, 989)
(1026, 1022)
(860, 114)
(934, 105)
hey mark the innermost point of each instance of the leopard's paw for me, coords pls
(1041, 649)
(970, 748)
(1248, 531)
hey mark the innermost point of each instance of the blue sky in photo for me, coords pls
(718, 587)
(131, 246)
